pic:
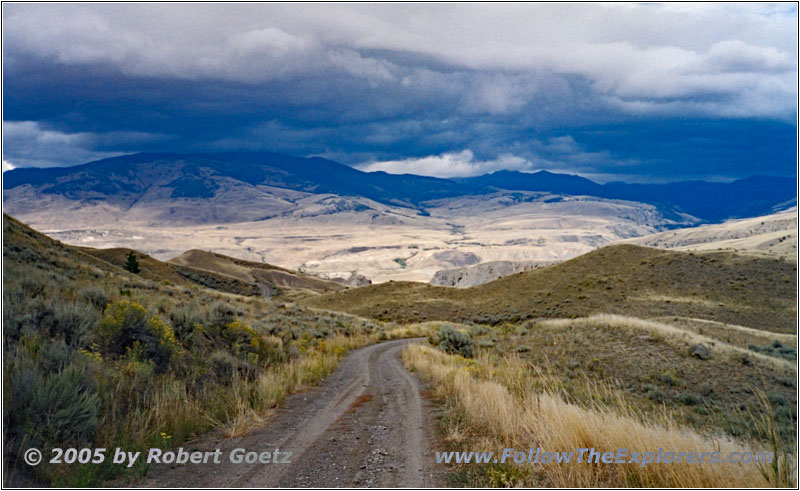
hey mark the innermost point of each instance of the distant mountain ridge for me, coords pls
(710, 201)
(129, 178)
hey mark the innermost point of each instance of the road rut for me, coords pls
(367, 425)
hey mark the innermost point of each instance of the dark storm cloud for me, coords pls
(644, 92)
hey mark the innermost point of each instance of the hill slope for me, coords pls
(98, 357)
(622, 279)
(196, 268)
(771, 235)
(155, 270)
(249, 271)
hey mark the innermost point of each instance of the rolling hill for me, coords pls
(631, 280)
(270, 278)
(193, 268)
(771, 235)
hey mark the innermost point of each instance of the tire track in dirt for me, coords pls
(367, 425)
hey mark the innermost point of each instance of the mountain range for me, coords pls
(131, 178)
(339, 223)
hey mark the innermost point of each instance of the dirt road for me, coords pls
(365, 426)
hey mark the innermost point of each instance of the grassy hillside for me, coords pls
(252, 272)
(624, 279)
(598, 351)
(772, 235)
(153, 269)
(96, 356)
(493, 402)
(651, 366)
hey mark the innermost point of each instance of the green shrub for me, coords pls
(37, 283)
(776, 399)
(54, 355)
(64, 408)
(242, 339)
(94, 296)
(185, 319)
(57, 410)
(69, 321)
(15, 314)
(687, 398)
(478, 331)
(221, 314)
(20, 378)
(126, 324)
(72, 322)
(226, 366)
(656, 395)
(454, 342)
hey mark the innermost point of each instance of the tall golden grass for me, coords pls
(668, 331)
(504, 404)
(767, 336)
(252, 405)
(175, 415)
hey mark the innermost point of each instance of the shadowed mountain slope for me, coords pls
(128, 179)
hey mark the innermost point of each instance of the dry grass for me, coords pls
(652, 365)
(254, 407)
(654, 297)
(758, 293)
(668, 332)
(730, 333)
(416, 330)
(500, 407)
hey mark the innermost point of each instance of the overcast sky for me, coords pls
(611, 92)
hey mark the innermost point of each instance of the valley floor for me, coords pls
(383, 244)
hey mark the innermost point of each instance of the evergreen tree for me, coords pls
(132, 264)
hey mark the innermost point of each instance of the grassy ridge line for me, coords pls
(495, 404)
(735, 334)
(791, 338)
(156, 270)
(755, 292)
(670, 331)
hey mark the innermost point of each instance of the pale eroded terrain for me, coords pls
(770, 235)
(333, 236)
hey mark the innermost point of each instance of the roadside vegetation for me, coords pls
(623, 347)
(96, 356)
(493, 401)
(649, 348)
